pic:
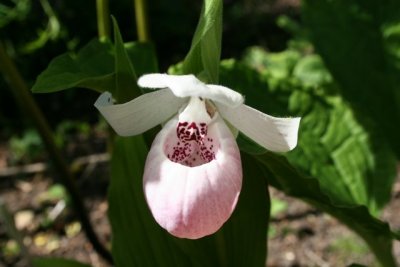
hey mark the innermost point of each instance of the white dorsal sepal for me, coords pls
(190, 86)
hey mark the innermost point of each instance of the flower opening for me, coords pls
(192, 144)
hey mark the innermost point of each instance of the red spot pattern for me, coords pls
(193, 147)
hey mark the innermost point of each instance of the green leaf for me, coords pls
(359, 42)
(125, 76)
(92, 67)
(353, 163)
(204, 55)
(246, 231)
(143, 57)
(350, 164)
(101, 67)
(376, 233)
(311, 71)
(59, 262)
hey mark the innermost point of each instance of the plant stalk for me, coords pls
(141, 21)
(103, 19)
(23, 96)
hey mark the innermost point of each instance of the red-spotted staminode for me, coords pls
(193, 173)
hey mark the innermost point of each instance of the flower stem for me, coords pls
(221, 248)
(27, 103)
(103, 19)
(141, 20)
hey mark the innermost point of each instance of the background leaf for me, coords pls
(18, 10)
(353, 162)
(100, 66)
(126, 87)
(349, 164)
(142, 56)
(92, 67)
(359, 42)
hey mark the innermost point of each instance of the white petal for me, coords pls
(275, 134)
(189, 85)
(141, 113)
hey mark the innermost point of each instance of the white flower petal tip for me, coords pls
(104, 99)
(139, 114)
(154, 80)
(189, 86)
(193, 201)
(274, 134)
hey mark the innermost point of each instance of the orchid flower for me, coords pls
(193, 173)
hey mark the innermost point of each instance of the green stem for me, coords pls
(103, 19)
(141, 21)
(221, 248)
(23, 96)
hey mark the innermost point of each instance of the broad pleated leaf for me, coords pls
(359, 42)
(204, 55)
(351, 164)
(246, 231)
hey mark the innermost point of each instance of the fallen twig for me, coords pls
(40, 167)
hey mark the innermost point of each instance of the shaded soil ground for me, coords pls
(304, 236)
(300, 235)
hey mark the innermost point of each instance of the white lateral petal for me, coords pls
(189, 85)
(275, 134)
(141, 113)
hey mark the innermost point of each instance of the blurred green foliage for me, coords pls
(15, 10)
(26, 148)
(361, 49)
